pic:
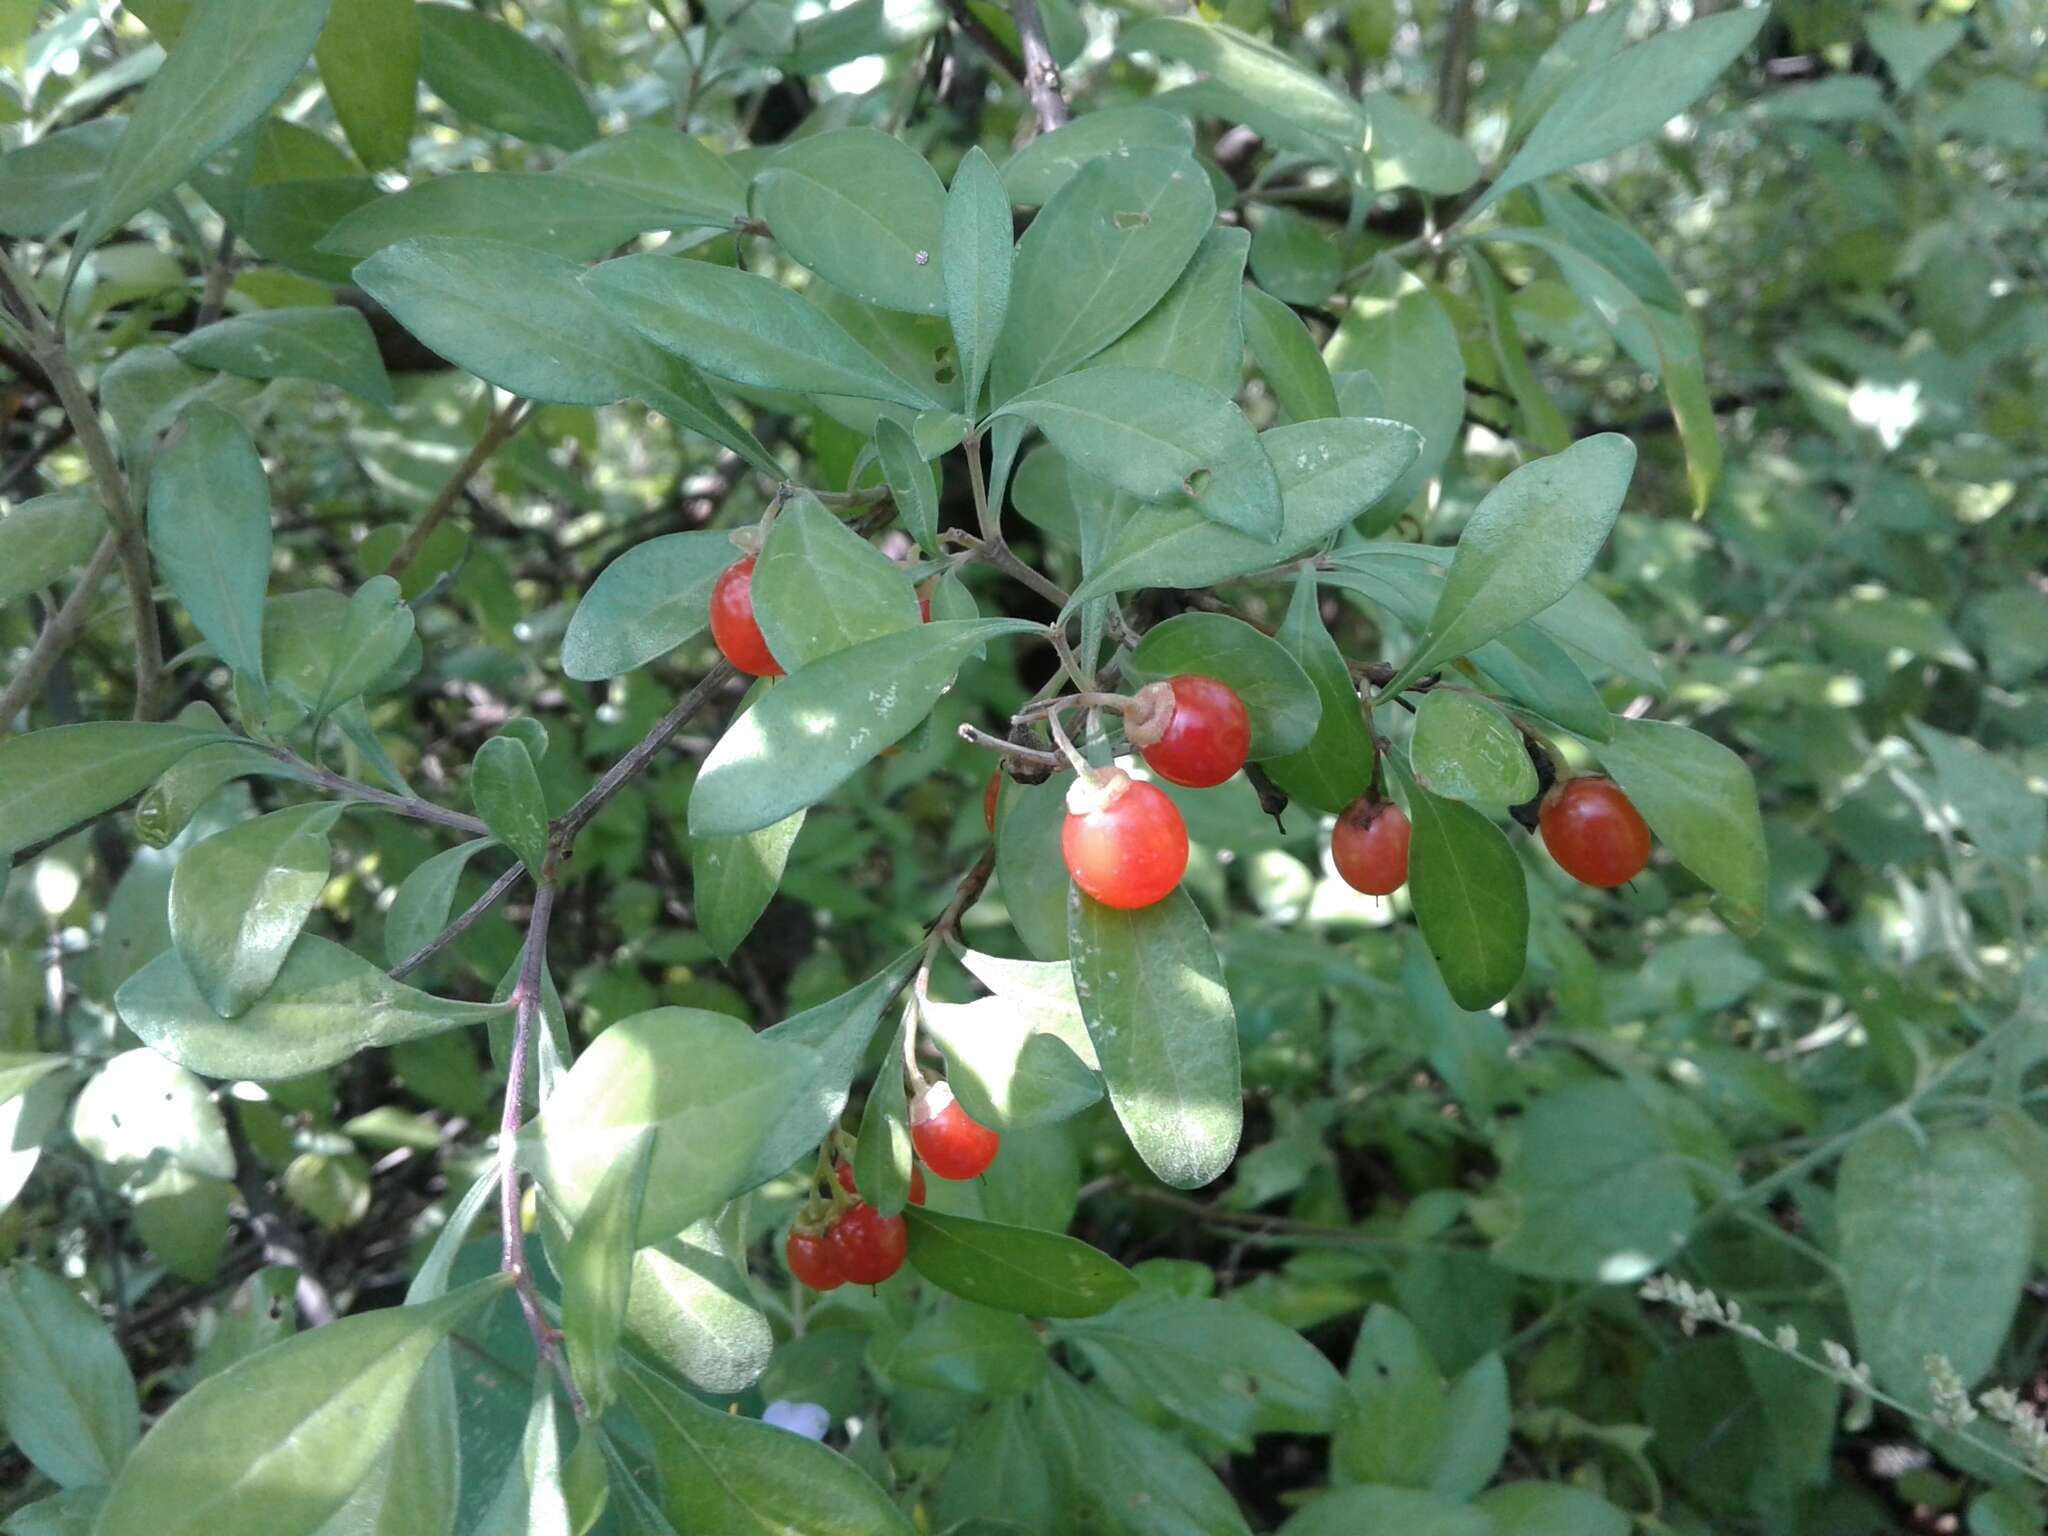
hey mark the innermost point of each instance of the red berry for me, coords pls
(1594, 831)
(733, 624)
(1370, 847)
(868, 1245)
(813, 1261)
(952, 1143)
(1205, 736)
(916, 1183)
(988, 799)
(1124, 842)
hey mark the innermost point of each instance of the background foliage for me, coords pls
(323, 413)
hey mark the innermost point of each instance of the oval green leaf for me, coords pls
(239, 899)
(863, 211)
(1465, 748)
(1015, 1269)
(1470, 898)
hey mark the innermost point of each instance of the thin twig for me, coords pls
(403, 805)
(526, 1002)
(634, 763)
(59, 632)
(218, 275)
(1454, 80)
(1041, 72)
(1000, 53)
(54, 358)
(980, 738)
(455, 930)
(503, 424)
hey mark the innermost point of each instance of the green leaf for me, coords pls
(1474, 1443)
(692, 1309)
(1349, 1510)
(1537, 417)
(978, 253)
(1111, 1471)
(1294, 258)
(239, 899)
(522, 320)
(644, 604)
(1700, 800)
(46, 538)
(965, 1348)
(1591, 1188)
(820, 588)
(70, 1513)
(326, 1004)
(1935, 1237)
(2004, 817)
(1470, 897)
(882, 1162)
(369, 58)
(597, 1272)
(1400, 1408)
(1102, 252)
(1910, 48)
(1284, 706)
(1465, 748)
(1257, 71)
(1329, 472)
(863, 211)
(280, 1440)
(560, 215)
(1219, 1366)
(707, 1086)
(226, 69)
(1161, 437)
(508, 796)
(1015, 1269)
(1335, 766)
(47, 184)
(56, 779)
(1544, 1509)
(1029, 871)
(1408, 150)
(666, 167)
(732, 880)
(1009, 1072)
(1527, 544)
(722, 1475)
(22, 1070)
(1287, 358)
(1595, 36)
(66, 1397)
(531, 1500)
(419, 910)
(749, 329)
(1034, 173)
(1395, 329)
(209, 532)
(497, 78)
(324, 649)
(815, 728)
(331, 344)
(838, 1033)
(910, 482)
(1623, 99)
(1153, 996)
(1197, 329)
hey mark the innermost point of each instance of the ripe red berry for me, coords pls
(989, 797)
(952, 1143)
(1124, 842)
(812, 1260)
(1594, 831)
(1205, 733)
(733, 625)
(869, 1246)
(917, 1189)
(1370, 847)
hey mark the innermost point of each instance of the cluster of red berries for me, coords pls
(1589, 825)
(851, 1240)
(1124, 841)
